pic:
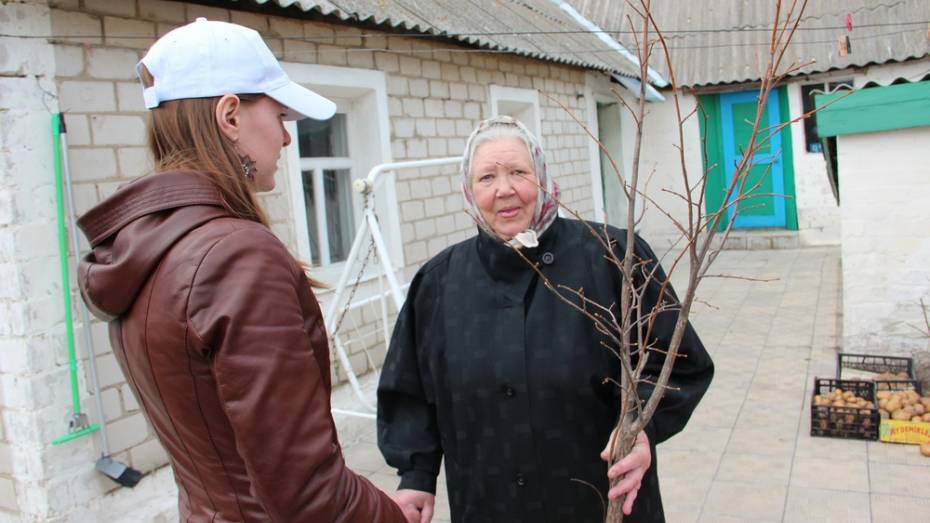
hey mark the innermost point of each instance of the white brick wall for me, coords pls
(885, 184)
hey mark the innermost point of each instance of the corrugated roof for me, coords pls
(533, 28)
(715, 42)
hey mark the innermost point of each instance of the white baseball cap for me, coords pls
(206, 58)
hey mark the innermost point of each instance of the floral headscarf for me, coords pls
(546, 197)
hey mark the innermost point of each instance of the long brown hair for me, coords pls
(183, 135)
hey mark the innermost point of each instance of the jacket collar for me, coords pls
(147, 195)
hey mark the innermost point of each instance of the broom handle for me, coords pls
(85, 318)
(65, 277)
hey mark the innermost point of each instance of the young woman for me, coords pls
(213, 322)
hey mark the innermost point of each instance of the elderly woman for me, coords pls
(490, 370)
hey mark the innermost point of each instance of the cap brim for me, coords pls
(302, 102)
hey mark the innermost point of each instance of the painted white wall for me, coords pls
(818, 212)
(884, 187)
(660, 171)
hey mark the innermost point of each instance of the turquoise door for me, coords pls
(765, 205)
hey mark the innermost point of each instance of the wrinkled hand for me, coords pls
(416, 505)
(632, 467)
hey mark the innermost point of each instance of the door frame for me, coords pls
(712, 134)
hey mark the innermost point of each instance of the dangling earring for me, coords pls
(248, 167)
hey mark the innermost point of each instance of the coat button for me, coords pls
(508, 391)
(548, 258)
(521, 481)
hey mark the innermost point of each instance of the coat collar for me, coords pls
(502, 263)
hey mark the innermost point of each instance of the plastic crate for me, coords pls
(844, 422)
(869, 367)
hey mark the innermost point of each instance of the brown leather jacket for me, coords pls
(222, 341)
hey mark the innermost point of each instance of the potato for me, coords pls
(839, 403)
(893, 404)
(925, 416)
(883, 414)
(900, 415)
(915, 418)
(925, 449)
(918, 408)
(883, 395)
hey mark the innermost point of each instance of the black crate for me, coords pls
(844, 422)
(878, 365)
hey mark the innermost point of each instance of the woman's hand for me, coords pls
(416, 505)
(632, 467)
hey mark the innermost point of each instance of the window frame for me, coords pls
(362, 95)
(807, 105)
(498, 94)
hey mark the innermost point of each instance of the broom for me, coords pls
(106, 465)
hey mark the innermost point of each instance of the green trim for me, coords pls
(715, 186)
(712, 153)
(787, 162)
(874, 109)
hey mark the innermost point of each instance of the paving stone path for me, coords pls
(747, 454)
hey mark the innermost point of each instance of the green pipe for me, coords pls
(78, 425)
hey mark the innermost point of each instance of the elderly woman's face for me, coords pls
(504, 185)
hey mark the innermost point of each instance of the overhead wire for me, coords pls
(921, 24)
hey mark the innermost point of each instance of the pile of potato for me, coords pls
(904, 405)
(892, 376)
(842, 398)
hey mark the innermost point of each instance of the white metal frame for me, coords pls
(370, 227)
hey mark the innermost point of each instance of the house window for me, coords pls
(522, 104)
(326, 156)
(326, 176)
(811, 139)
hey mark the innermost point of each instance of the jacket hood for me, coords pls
(131, 231)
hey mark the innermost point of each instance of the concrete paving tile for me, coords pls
(678, 492)
(747, 502)
(698, 467)
(682, 514)
(897, 453)
(775, 425)
(830, 473)
(364, 457)
(888, 508)
(754, 469)
(905, 480)
(832, 448)
(761, 441)
(711, 441)
(805, 505)
(719, 413)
